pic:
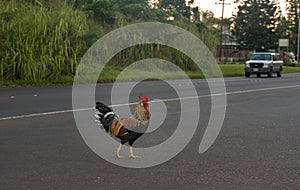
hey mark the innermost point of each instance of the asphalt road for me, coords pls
(257, 148)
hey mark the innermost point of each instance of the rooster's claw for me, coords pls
(133, 156)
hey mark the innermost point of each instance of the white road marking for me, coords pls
(165, 100)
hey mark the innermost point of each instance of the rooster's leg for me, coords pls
(131, 153)
(118, 150)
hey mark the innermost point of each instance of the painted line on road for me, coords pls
(165, 100)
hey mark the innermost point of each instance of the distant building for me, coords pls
(228, 50)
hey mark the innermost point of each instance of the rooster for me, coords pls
(119, 127)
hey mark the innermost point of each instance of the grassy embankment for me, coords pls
(41, 45)
(110, 74)
(228, 70)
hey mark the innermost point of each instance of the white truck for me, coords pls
(264, 63)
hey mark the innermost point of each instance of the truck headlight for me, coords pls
(266, 66)
(247, 65)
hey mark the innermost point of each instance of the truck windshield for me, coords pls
(267, 57)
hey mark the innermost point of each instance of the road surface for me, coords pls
(257, 148)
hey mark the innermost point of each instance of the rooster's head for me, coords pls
(144, 100)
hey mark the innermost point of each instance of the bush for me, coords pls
(39, 43)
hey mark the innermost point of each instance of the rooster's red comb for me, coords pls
(144, 98)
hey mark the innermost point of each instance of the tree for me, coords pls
(209, 20)
(292, 22)
(176, 8)
(255, 24)
(282, 30)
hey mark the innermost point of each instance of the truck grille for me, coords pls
(256, 65)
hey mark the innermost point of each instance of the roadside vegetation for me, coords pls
(43, 41)
(111, 73)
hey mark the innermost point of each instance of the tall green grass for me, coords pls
(43, 41)
(39, 43)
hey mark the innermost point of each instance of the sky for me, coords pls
(228, 10)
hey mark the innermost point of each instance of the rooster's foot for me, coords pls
(131, 153)
(134, 156)
(118, 156)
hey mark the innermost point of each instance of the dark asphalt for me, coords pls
(258, 147)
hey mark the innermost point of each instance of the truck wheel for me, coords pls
(279, 74)
(270, 74)
(247, 75)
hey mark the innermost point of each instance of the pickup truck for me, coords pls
(264, 63)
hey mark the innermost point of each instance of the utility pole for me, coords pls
(222, 2)
(298, 44)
